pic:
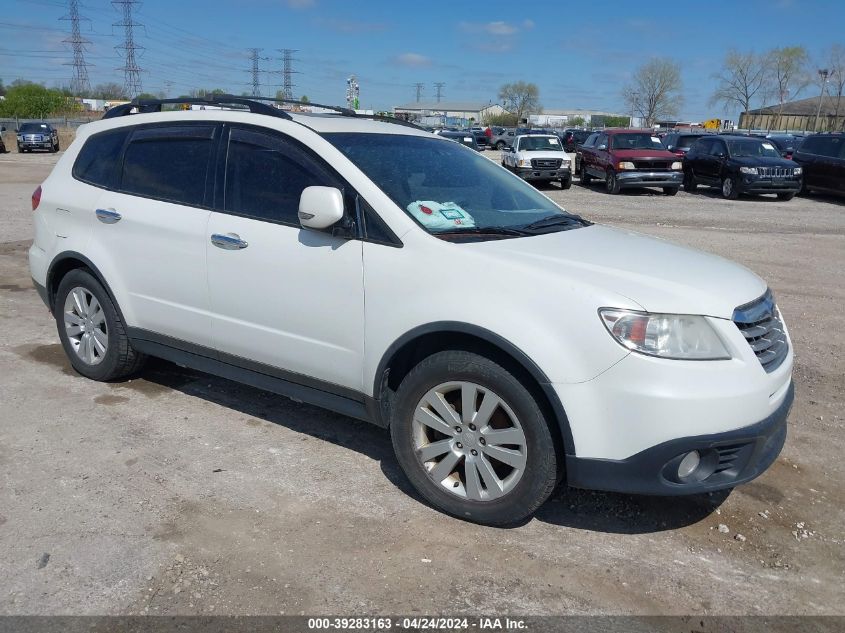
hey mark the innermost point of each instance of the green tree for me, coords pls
(610, 121)
(304, 99)
(147, 96)
(577, 121)
(505, 119)
(655, 91)
(108, 91)
(520, 98)
(33, 101)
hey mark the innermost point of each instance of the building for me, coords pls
(797, 115)
(457, 113)
(562, 118)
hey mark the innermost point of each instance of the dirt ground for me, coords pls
(181, 493)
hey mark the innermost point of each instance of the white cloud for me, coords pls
(412, 60)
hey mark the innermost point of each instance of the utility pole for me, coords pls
(287, 71)
(824, 73)
(79, 84)
(635, 97)
(256, 78)
(419, 88)
(439, 88)
(130, 68)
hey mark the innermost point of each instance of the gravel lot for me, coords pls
(177, 492)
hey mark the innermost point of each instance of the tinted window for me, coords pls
(718, 147)
(265, 176)
(752, 148)
(823, 145)
(636, 140)
(35, 128)
(686, 140)
(98, 157)
(702, 146)
(591, 140)
(168, 163)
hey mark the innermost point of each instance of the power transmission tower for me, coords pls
(439, 87)
(419, 88)
(288, 71)
(79, 84)
(255, 70)
(130, 68)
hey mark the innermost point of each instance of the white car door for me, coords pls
(148, 239)
(282, 296)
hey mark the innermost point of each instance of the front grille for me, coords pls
(776, 172)
(761, 325)
(545, 163)
(652, 164)
(32, 138)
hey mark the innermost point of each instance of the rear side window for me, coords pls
(831, 146)
(265, 176)
(97, 159)
(169, 163)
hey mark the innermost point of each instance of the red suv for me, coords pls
(630, 158)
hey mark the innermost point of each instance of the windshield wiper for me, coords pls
(484, 230)
(558, 219)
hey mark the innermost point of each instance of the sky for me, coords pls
(579, 57)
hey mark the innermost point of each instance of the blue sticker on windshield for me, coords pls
(452, 214)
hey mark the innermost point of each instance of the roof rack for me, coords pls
(143, 106)
(253, 104)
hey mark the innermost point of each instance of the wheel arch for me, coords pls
(65, 262)
(423, 341)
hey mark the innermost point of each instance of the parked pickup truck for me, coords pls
(630, 158)
(538, 157)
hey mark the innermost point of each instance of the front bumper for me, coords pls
(762, 184)
(36, 144)
(728, 459)
(529, 173)
(650, 178)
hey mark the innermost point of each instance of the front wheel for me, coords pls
(611, 183)
(670, 191)
(786, 196)
(690, 184)
(473, 440)
(566, 183)
(500, 145)
(91, 331)
(585, 177)
(729, 189)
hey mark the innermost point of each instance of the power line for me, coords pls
(130, 68)
(79, 84)
(287, 71)
(439, 87)
(419, 88)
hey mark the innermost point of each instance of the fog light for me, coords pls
(688, 464)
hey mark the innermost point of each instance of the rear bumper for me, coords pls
(650, 178)
(528, 173)
(42, 292)
(730, 457)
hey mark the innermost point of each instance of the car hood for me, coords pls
(643, 154)
(657, 275)
(763, 161)
(543, 155)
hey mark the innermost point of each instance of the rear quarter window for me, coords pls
(97, 159)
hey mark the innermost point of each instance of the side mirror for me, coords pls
(602, 147)
(320, 207)
(670, 147)
(720, 154)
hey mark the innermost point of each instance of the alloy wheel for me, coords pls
(469, 441)
(85, 324)
(727, 187)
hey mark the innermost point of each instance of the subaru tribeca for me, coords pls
(384, 273)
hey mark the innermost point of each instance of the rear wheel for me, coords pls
(611, 183)
(729, 189)
(786, 196)
(91, 330)
(500, 145)
(690, 184)
(473, 440)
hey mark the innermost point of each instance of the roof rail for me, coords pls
(343, 111)
(143, 106)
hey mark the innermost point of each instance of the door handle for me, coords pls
(228, 241)
(108, 216)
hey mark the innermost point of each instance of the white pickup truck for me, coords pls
(538, 157)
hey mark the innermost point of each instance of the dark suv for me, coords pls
(37, 136)
(573, 139)
(740, 164)
(679, 142)
(822, 157)
(630, 158)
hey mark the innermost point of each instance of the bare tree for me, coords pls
(520, 98)
(788, 75)
(655, 90)
(740, 80)
(835, 61)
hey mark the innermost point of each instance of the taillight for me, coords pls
(36, 198)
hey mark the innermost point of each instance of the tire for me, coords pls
(500, 145)
(76, 295)
(786, 196)
(690, 184)
(492, 493)
(611, 183)
(729, 190)
(585, 177)
(566, 183)
(58, 147)
(670, 191)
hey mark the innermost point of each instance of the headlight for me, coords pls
(797, 171)
(748, 170)
(20, 138)
(677, 165)
(524, 163)
(677, 336)
(625, 165)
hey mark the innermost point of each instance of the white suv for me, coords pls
(379, 271)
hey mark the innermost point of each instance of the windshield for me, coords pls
(687, 140)
(635, 140)
(749, 147)
(537, 143)
(34, 128)
(444, 187)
